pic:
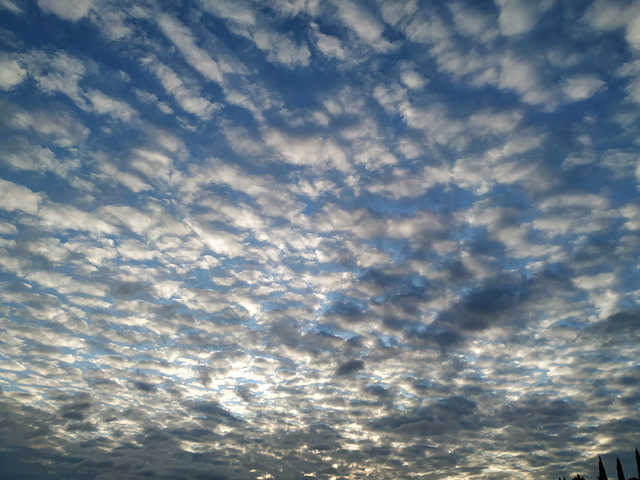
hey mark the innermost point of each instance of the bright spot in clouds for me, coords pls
(318, 239)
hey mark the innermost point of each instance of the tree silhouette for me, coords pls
(602, 474)
(619, 469)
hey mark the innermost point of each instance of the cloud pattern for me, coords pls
(332, 240)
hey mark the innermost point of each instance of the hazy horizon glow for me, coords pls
(319, 239)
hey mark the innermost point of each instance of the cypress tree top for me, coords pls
(619, 469)
(602, 474)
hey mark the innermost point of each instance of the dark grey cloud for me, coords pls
(349, 367)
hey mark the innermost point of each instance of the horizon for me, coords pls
(319, 239)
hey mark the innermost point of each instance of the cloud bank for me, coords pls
(331, 240)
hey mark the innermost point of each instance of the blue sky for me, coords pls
(318, 239)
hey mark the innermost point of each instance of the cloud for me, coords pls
(105, 105)
(503, 167)
(522, 75)
(412, 184)
(607, 16)
(564, 214)
(321, 239)
(67, 9)
(330, 46)
(582, 87)
(196, 57)
(471, 22)
(519, 16)
(17, 197)
(306, 150)
(57, 73)
(366, 26)
(12, 74)
(279, 47)
(188, 97)
(111, 173)
(349, 367)
(67, 217)
(11, 6)
(61, 127)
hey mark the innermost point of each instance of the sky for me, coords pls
(319, 239)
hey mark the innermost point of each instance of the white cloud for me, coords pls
(607, 15)
(55, 216)
(11, 73)
(504, 165)
(412, 79)
(136, 250)
(153, 164)
(373, 155)
(112, 174)
(105, 105)
(436, 123)
(111, 18)
(390, 96)
(50, 248)
(25, 156)
(60, 127)
(581, 87)
(132, 218)
(16, 197)
(632, 70)
(364, 24)
(520, 16)
(67, 9)
(574, 214)
(631, 212)
(238, 12)
(633, 26)
(281, 49)
(523, 76)
(494, 122)
(147, 97)
(197, 57)
(405, 184)
(57, 73)
(522, 141)
(62, 73)
(187, 97)
(220, 242)
(503, 225)
(11, 6)
(310, 151)
(481, 66)
(65, 284)
(394, 12)
(473, 23)
(268, 194)
(601, 291)
(7, 228)
(428, 27)
(329, 45)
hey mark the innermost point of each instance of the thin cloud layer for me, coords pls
(334, 240)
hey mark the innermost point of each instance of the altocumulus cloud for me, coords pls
(334, 240)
